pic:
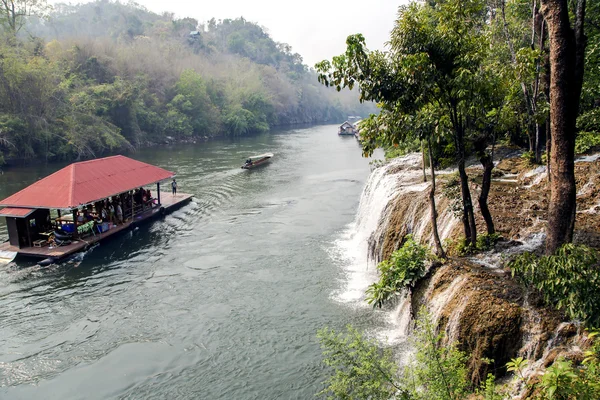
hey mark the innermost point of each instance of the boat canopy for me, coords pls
(261, 156)
(85, 182)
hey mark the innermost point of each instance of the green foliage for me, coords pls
(404, 268)
(558, 380)
(585, 141)
(361, 370)
(563, 380)
(130, 77)
(431, 79)
(517, 366)
(487, 241)
(438, 371)
(489, 390)
(461, 248)
(402, 149)
(568, 280)
(529, 156)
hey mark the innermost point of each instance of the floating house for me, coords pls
(63, 213)
(347, 129)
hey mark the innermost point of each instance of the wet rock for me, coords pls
(477, 310)
(477, 303)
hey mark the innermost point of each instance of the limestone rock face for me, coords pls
(479, 310)
(474, 300)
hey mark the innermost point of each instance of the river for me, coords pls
(219, 300)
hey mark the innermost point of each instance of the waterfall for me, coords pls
(471, 299)
(360, 247)
(351, 248)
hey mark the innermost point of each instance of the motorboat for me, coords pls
(255, 161)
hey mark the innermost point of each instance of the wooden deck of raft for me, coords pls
(168, 201)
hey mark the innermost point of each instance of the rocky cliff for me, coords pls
(474, 300)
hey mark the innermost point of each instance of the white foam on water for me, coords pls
(351, 249)
(496, 260)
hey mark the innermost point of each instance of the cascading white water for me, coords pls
(395, 202)
(352, 248)
(399, 177)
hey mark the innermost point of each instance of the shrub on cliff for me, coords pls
(563, 379)
(568, 280)
(361, 370)
(402, 270)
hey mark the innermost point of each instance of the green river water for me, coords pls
(219, 300)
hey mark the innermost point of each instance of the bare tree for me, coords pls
(13, 13)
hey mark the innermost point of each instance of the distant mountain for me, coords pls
(104, 76)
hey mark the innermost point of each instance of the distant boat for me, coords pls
(255, 161)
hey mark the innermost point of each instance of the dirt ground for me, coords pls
(519, 198)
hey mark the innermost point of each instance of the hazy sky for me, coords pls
(317, 29)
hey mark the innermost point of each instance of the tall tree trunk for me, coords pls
(468, 217)
(439, 249)
(546, 84)
(488, 165)
(424, 163)
(540, 27)
(567, 47)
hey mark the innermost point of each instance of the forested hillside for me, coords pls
(81, 81)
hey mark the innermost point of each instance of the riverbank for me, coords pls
(148, 144)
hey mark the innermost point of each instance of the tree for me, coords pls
(435, 60)
(567, 54)
(359, 369)
(527, 61)
(14, 13)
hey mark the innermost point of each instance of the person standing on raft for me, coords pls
(174, 186)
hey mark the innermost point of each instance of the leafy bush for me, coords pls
(529, 156)
(438, 371)
(563, 380)
(361, 370)
(588, 125)
(487, 241)
(489, 389)
(460, 248)
(585, 141)
(568, 280)
(402, 270)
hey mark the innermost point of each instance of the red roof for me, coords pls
(87, 181)
(16, 212)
